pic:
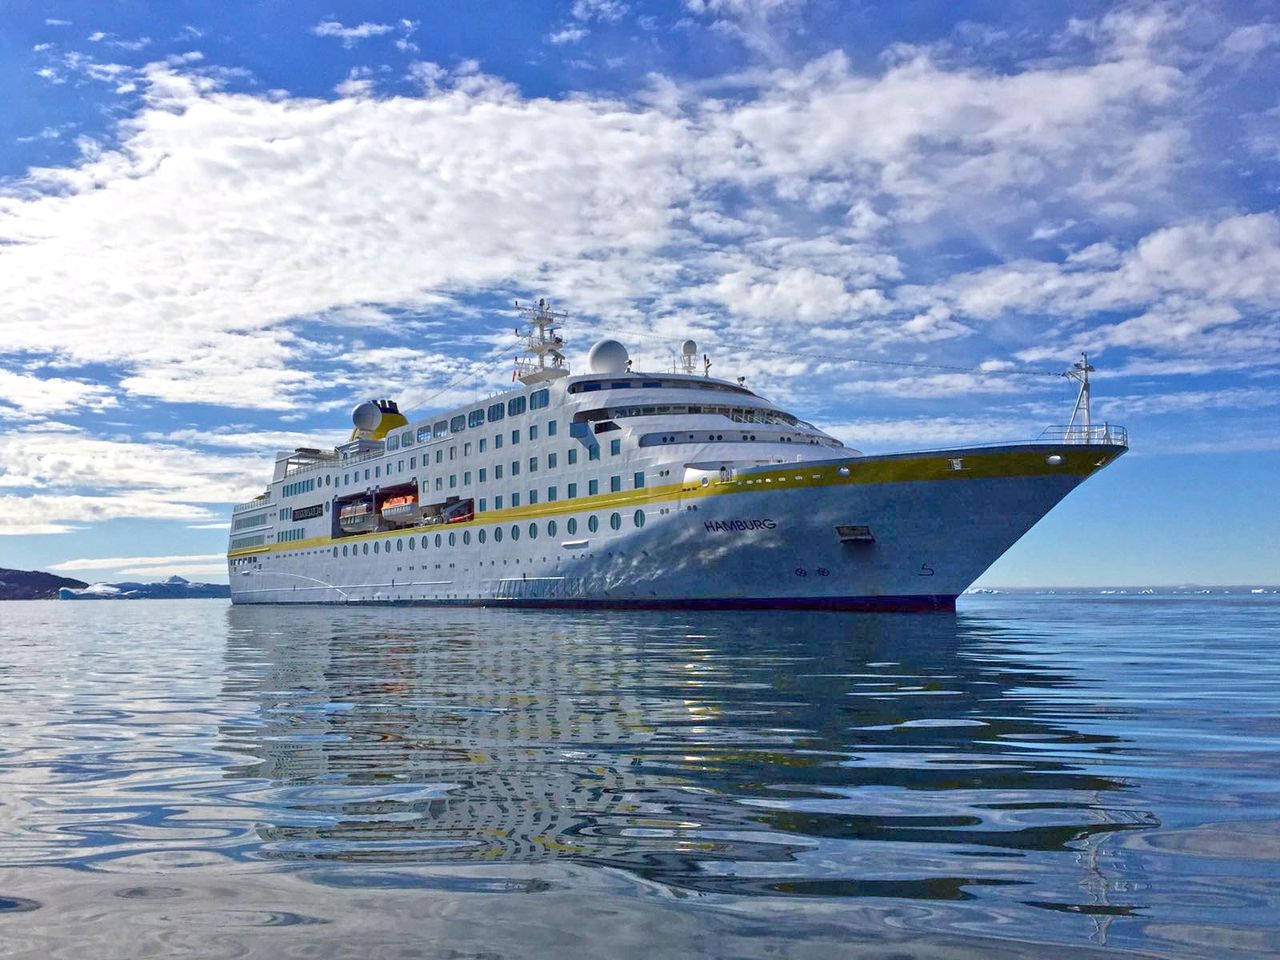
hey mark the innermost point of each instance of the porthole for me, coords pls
(399, 546)
(533, 531)
(365, 551)
(551, 528)
(481, 536)
(453, 539)
(1054, 460)
(615, 521)
(344, 549)
(466, 536)
(571, 525)
(424, 541)
(638, 518)
(593, 524)
(335, 551)
(376, 545)
(411, 543)
(497, 534)
(438, 539)
(515, 532)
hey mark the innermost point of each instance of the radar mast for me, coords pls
(543, 347)
(1079, 372)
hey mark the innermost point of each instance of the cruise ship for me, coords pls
(619, 488)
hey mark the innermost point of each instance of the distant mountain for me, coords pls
(33, 584)
(175, 588)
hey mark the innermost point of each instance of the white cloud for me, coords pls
(51, 22)
(351, 35)
(568, 35)
(28, 395)
(112, 563)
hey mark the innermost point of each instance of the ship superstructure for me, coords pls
(626, 488)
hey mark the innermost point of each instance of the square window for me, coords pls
(515, 437)
(413, 463)
(533, 431)
(497, 441)
(551, 461)
(593, 487)
(573, 456)
(551, 428)
(466, 478)
(515, 468)
(453, 452)
(439, 483)
(453, 480)
(639, 479)
(483, 505)
(483, 476)
(572, 490)
(484, 445)
(466, 449)
(615, 447)
(615, 484)
(551, 494)
(515, 499)
(439, 456)
(593, 452)
(533, 464)
(497, 502)
(533, 497)
(497, 471)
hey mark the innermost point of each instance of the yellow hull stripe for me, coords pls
(1077, 460)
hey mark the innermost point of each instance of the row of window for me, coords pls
(453, 537)
(736, 414)
(538, 400)
(590, 386)
(298, 486)
(571, 491)
(257, 520)
(406, 439)
(288, 536)
(552, 461)
(257, 540)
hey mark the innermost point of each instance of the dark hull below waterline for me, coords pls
(924, 603)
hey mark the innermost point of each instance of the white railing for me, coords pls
(1106, 433)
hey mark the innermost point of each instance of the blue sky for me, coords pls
(223, 225)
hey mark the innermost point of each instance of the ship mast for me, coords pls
(1079, 372)
(543, 347)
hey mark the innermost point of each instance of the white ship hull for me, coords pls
(769, 537)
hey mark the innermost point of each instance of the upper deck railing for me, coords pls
(1106, 433)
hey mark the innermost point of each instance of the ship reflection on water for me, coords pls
(824, 755)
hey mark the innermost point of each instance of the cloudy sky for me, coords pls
(222, 225)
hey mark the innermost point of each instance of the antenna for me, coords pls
(706, 365)
(1079, 372)
(543, 346)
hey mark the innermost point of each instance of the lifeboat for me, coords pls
(355, 517)
(400, 509)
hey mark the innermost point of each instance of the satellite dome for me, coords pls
(366, 416)
(608, 356)
(689, 348)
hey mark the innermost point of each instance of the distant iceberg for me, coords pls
(175, 588)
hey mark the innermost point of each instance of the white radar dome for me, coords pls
(689, 348)
(608, 356)
(366, 416)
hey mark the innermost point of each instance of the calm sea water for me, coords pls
(1034, 776)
